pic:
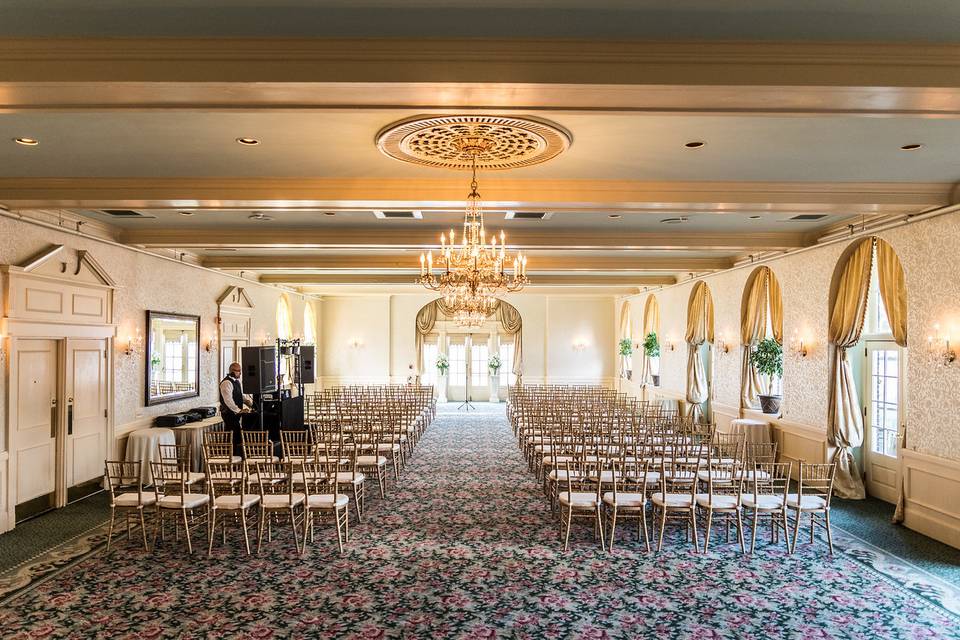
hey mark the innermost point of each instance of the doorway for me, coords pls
(883, 417)
(468, 377)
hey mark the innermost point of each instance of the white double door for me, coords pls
(59, 393)
(467, 377)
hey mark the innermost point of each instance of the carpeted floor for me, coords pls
(465, 548)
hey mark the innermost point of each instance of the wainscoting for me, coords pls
(932, 487)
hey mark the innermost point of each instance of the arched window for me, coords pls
(309, 324)
(284, 324)
(651, 341)
(625, 342)
(761, 321)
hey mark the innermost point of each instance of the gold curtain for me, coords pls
(426, 319)
(512, 324)
(651, 324)
(844, 421)
(699, 330)
(762, 296)
(893, 291)
(624, 333)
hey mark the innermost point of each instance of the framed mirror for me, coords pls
(173, 357)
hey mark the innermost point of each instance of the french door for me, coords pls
(85, 432)
(468, 376)
(457, 373)
(883, 418)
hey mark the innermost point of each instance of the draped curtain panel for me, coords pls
(845, 422)
(699, 330)
(762, 295)
(426, 319)
(512, 323)
(651, 323)
(893, 292)
(624, 333)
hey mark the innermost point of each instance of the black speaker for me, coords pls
(307, 373)
(259, 369)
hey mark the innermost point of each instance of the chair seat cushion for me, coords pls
(236, 501)
(560, 475)
(719, 475)
(807, 502)
(579, 499)
(651, 477)
(550, 461)
(719, 501)
(763, 502)
(625, 500)
(185, 501)
(348, 477)
(225, 459)
(371, 460)
(672, 500)
(280, 500)
(327, 501)
(133, 499)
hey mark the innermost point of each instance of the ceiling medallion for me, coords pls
(492, 143)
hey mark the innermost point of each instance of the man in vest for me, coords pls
(234, 403)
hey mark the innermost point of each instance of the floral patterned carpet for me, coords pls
(465, 548)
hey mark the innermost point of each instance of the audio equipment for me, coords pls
(307, 373)
(259, 369)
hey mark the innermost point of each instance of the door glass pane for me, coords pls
(884, 401)
(458, 364)
(429, 366)
(506, 364)
(478, 365)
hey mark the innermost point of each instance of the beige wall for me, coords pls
(926, 249)
(149, 282)
(384, 327)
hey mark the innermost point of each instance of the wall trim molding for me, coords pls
(932, 494)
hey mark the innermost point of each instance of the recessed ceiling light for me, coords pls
(755, 217)
(186, 213)
(916, 146)
(695, 144)
(614, 216)
(27, 142)
(260, 217)
(248, 141)
(329, 213)
(679, 220)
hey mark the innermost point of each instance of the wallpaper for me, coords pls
(926, 250)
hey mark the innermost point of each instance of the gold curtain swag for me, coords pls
(699, 330)
(763, 295)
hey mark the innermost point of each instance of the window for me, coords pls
(479, 374)
(173, 359)
(428, 370)
(506, 364)
(458, 364)
(309, 324)
(776, 382)
(191, 361)
(284, 327)
(877, 323)
(884, 400)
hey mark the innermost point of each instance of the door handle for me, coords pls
(53, 419)
(70, 419)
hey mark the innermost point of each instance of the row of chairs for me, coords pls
(602, 456)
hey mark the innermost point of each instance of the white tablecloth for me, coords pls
(143, 445)
(754, 430)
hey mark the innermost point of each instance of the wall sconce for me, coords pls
(134, 344)
(670, 343)
(798, 346)
(939, 347)
(579, 345)
(355, 343)
(210, 344)
(722, 345)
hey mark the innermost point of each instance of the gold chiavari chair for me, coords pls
(628, 497)
(723, 498)
(174, 498)
(229, 500)
(768, 497)
(579, 500)
(323, 498)
(218, 447)
(178, 456)
(814, 489)
(127, 496)
(278, 497)
(676, 497)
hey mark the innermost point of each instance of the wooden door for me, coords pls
(85, 392)
(35, 416)
(883, 417)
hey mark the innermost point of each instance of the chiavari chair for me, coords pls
(174, 498)
(127, 496)
(278, 497)
(767, 496)
(579, 500)
(323, 498)
(814, 488)
(230, 500)
(628, 497)
(722, 498)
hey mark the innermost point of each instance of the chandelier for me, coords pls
(472, 274)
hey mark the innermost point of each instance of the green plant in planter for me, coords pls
(154, 361)
(626, 347)
(442, 363)
(767, 357)
(651, 345)
(494, 364)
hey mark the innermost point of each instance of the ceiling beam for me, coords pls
(421, 238)
(327, 261)
(499, 193)
(295, 279)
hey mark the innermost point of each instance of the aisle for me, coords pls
(465, 548)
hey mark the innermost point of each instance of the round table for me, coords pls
(143, 446)
(754, 430)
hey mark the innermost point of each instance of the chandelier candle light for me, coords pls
(472, 274)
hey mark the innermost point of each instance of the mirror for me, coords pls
(173, 357)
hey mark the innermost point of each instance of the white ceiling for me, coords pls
(339, 144)
(889, 20)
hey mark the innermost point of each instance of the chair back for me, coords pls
(226, 478)
(177, 455)
(772, 478)
(120, 474)
(817, 479)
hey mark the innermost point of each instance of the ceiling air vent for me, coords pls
(125, 213)
(807, 217)
(528, 215)
(398, 215)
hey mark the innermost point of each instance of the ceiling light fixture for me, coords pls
(916, 146)
(186, 213)
(249, 142)
(696, 144)
(679, 220)
(260, 217)
(27, 142)
(755, 217)
(329, 213)
(614, 216)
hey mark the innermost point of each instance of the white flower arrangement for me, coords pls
(494, 363)
(442, 363)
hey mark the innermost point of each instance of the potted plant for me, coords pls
(767, 358)
(494, 364)
(651, 348)
(442, 364)
(626, 350)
